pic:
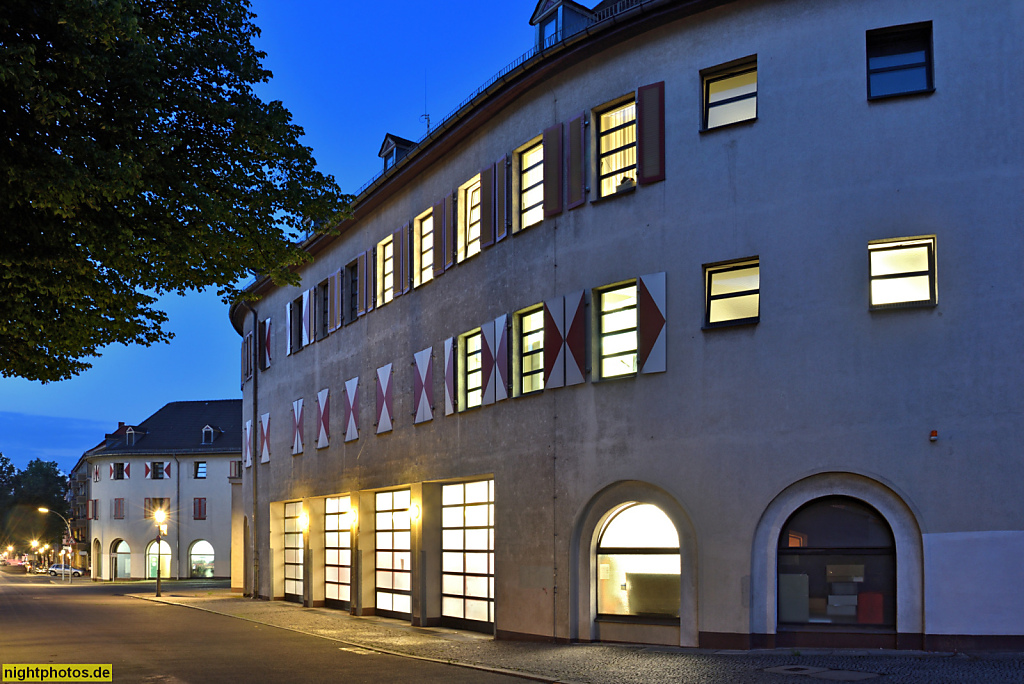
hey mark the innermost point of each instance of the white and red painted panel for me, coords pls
(651, 323)
(297, 427)
(323, 418)
(351, 405)
(385, 402)
(265, 438)
(423, 386)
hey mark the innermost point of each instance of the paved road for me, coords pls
(43, 621)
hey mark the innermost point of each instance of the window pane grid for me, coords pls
(338, 548)
(531, 365)
(733, 294)
(426, 250)
(730, 98)
(474, 370)
(473, 220)
(293, 549)
(618, 336)
(388, 271)
(902, 273)
(531, 200)
(617, 149)
(394, 556)
(467, 549)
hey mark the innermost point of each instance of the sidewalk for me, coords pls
(604, 663)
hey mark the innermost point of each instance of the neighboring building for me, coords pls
(532, 387)
(185, 460)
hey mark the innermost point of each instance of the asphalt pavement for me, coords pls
(603, 663)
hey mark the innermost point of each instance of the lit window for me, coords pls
(733, 293)
(902, 272)
(338, 550)
(531, 350)
(469, 219)
(394, 553)
(467, 552)
(730, 95)
(200, 559)
(617, 149)
(423, 271)
(293, 551)
(531, 186)
(638, 563)
(899, 60)
(386, 271)
(618, 325)
(472, 375)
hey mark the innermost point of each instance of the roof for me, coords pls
(177, 428)
(392, 141)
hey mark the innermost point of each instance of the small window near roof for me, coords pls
(903, 273)
(207, 435)
(733, 293)
(730, 94)
(200, 470)
(899, 60)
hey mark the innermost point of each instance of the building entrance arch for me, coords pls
(879, 535)
(120, 560)
(97, 557)
(634, 559)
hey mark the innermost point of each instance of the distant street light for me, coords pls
(71, 537)
(160, 517)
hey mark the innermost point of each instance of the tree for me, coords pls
(40, 484)
(137, 160)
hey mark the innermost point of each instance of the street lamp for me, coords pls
(71, 537)
(160, 517)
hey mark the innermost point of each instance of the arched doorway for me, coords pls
(200, 559)
(164, 558)
(836, 570)
(97, 557)
(634, 555)
(120, 560)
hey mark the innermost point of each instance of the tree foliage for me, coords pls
(137, 160)
(22, 492)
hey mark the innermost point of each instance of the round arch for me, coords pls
(200, 559)
(590, 521)
(163, 558)
(97, 557)
(897, 513)
(120, 559)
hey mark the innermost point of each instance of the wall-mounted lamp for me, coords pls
(414, 511)
(304, 522)
(934, 437)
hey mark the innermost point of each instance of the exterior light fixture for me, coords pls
(71, 537)
(934, 437)
(160, 518)
(414, 511)
(304, 522)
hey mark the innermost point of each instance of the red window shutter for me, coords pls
(267, 356)
(451, 225)
(440, 231)
(487, 206)
(361, 279)
(308, 314)
(423, 386)
(554, 343)
(553, 171)
(651, 323)
(575, 338)
(487, 362)
(577, 174)
(385, 399)
(127, 470)
(501, 217)
(501, 358)
(167, 470)
(650, 134)
(449, 376)
(111, 471)
(149, 471)
(288, 328)
(242, 368)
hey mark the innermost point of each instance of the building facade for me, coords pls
(532, 388)
(183, 460)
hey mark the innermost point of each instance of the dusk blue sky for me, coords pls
(349, 73)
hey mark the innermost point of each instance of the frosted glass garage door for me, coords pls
(394, 556)
(467, 545)
(292, 552)
(338, 551)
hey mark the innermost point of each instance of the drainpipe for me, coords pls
(253, 528)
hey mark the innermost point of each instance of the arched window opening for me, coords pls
(200, 559)
(837, 566)
(638, 564)
(164, 558)
(120, 560)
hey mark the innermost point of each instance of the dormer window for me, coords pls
(390, 158)
(207, 435)
(393, 149)
(129, 437)
(550, 29)
(558, 19)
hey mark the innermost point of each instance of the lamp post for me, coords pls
(160, 517)
(71, 537)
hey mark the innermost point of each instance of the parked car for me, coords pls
(59, 569)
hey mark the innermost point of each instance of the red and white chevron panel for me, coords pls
(111, 471)
(149, 471)
(296, 427)
(247, 445)
(385, 400)
(423, 386)
(167, 470)
(575, 338)
(265, 438)
(651, 323)
(449, 376)
(351, 405)
(127, 471)
(323, 418)
(96, 473)
(501, 358)
(487, 362)
(554, 343)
